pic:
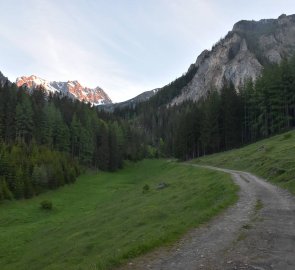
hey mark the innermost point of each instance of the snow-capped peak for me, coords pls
(73, 89)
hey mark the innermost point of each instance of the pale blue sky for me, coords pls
(124, 46)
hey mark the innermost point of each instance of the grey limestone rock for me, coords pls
(241, 56)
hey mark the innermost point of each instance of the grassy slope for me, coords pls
(273, 159)
(104, 218)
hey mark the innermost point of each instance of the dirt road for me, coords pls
(258, 232)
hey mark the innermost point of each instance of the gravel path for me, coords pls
(258, 232)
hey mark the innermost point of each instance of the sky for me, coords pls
(124, 46)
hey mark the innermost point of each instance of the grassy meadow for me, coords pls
(273, 159)
(106, 218)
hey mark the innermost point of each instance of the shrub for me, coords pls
(46, 205)
(145, 188)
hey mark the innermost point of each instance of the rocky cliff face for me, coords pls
(72, 89)
(241, 55)
(4, 80)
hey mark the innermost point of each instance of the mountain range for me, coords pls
(73, 89)
(239, 56)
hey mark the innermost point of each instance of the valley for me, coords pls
(198, 173)
(104, 219)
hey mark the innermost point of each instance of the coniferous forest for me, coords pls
(221, 121)
(46, 141)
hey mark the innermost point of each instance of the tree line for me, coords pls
(45, 140)
(222, 120)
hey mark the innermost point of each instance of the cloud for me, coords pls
(57, 53)
(121, 52)
(125, 47)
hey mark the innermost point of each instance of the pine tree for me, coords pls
(103, 150)
(24, 120)
(230, 117)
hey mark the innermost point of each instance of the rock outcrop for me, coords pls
(72, 89)
(241, 55)
(4, 80)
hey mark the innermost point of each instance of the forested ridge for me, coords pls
(46, 140)
(222, 120)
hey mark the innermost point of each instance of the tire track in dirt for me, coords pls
(258, 232)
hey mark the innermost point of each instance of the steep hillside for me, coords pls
(241, 55)
(272, 159)
(73, 89)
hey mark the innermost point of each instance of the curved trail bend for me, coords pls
(258, 232)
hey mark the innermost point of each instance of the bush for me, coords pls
(46, 205)
(145, 188)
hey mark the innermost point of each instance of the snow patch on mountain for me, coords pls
(73, 89)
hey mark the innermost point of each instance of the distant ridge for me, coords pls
(72, 89)
(131, 102)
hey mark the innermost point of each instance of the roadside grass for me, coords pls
(272, 159)
(104, 219)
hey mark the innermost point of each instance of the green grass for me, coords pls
(105, 218)
(272, 159)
